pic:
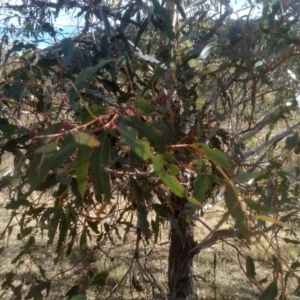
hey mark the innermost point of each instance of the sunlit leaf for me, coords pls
(83, 138)
(206, 50)
(271, 220)
(90, 112)
(140, 146)
(145, 106)
(246, 177)
(255, 206)
(170, 181)
(146, 130)
(216, 156)
(81, 167)
(235, 209)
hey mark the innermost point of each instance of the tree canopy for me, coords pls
(147, 114)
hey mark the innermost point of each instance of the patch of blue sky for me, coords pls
(67, 24)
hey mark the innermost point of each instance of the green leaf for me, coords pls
(73, 291)
(201, 185)
(139, 196)
(47, 148)
(81, 167)
(63, 231)
(270, 292)
(100, 167)
(216, 156)
(89, 112)
(79, 297)
(81, 80)
(100, 279)
(146, 130)
(291, 142)
(41, 164)
(255, 206)
(165, 17)
(250, 267)
(145, 106)
(235, 209)
(248, 176)
(53, 225)
(83, 138)
(129, 135)
(170, 181)
(83, 241)
(104, 165)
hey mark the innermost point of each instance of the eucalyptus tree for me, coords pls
(131, 106)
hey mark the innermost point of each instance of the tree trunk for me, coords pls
(180, 272)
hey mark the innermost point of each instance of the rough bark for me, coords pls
(180, 272)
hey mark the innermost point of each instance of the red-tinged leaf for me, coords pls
(129, 135)
(270, 292)
(216, 156)
(170, 181)
(81, 167)
(83, 138)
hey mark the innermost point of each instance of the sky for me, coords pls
(69, 24)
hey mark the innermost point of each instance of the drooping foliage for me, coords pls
(133, 122)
